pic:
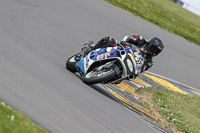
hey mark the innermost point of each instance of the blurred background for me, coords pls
(190, 5)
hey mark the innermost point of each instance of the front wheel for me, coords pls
(71, 62)
(102, 76)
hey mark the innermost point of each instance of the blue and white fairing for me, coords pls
(131, 59)
(96, 55)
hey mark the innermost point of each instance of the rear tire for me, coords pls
(71, 62)
(100, 77)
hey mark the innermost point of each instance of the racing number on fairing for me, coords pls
(87, 60)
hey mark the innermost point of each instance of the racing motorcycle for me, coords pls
(107, 65)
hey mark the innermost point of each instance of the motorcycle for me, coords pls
(107, 65)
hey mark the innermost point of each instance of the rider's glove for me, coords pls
(104, 40)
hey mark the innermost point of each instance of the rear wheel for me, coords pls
(101, 76)
(70, 64)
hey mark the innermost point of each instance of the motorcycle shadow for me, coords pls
(101, 89)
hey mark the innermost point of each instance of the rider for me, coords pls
(149, 48)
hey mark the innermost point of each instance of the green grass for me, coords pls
(183, 111)
(13, 122)
(165, 14)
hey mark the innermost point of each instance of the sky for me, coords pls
(193, 5)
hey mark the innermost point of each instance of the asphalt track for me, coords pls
(36, 38)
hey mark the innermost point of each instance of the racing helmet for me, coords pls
(154, 46)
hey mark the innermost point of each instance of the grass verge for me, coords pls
(180, 113)
(13, 122)
(165, 14)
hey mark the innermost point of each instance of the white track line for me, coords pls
(171, 80)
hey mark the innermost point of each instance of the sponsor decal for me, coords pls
(131, 51)
(134, 37)
(108, 54)
(103, 56)
(137, 59)
(131, 55)
(138, 50)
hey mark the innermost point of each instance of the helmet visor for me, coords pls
(155, 46)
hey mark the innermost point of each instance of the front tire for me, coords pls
(71, 62)
(102, 76)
